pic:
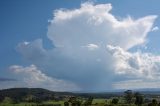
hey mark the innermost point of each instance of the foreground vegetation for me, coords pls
(42, 97)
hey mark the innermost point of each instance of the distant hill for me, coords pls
(31, 91)
(22, 94)
(39, 94)
(24, 91)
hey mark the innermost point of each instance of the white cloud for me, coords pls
(91, 47)
(156, 28)
(143, 66)
(26, 43)
(136, 84)
(31, 76)
(95, 24)
(74, 33)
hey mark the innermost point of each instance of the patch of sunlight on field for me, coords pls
(54, 102)
(99, 101)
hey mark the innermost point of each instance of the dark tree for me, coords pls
(115, 101)
(150, 104)
(78, 103)
(154, 102)
(139, 99)
(72, 99)
(128, 96)
(89, 101)
(66, 103)
(73, 104)
(1, 97)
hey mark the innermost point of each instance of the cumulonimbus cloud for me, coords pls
(81, 55)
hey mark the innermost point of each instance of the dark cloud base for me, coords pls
(7, 79)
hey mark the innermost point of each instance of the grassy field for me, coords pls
(30, 104)
(96, 102)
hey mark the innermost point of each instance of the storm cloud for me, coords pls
(90, 48)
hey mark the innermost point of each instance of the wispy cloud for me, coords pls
(91, 47)
(156, 28)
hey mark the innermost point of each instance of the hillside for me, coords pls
(25, 94)
(39, 94)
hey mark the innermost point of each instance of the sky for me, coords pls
(80, 45)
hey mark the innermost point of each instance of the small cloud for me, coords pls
(26, 43)
(145, 47)
(156, 28)
(91, 46)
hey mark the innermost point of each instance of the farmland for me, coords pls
(42, 97)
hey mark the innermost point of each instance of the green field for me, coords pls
(42, 97)
(96, 102)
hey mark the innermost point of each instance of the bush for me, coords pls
(115, 101)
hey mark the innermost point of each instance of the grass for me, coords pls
(54, 102)
(30, 104)
(96, 102)
(99, 101)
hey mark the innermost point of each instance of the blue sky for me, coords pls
(47, 44)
